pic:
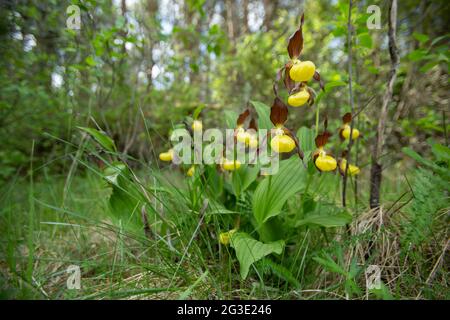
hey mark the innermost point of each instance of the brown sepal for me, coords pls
(295, 45)
(317, 78)
(340, 134)
(278, 112)
(253, 125)
(242, 117)
(289, 84)
(347, 118)
(311, 96)
(322, 139)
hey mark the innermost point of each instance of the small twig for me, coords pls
(362, 108)
(352, 105)
(147, 229)
(445, 127)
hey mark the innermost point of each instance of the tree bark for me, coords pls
(270, 7)
(245, 17)
(376, 170)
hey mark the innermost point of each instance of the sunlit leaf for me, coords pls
(197, 111)
(420, 37)
(101, 137)
(365, 40)
(417, 54)
(230, 118)
(90, 61)
(249, 250)
(273, 192)
(263, 112)
(306, 138)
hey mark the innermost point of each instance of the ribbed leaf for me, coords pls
(230, 119)
(306, 138)
(272, 193)
(101, 137)
(243, 178)
(263, 112)
(249, 250)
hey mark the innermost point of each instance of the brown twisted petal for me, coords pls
(295, 45)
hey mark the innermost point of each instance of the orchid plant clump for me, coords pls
(257, 191)
(270, 193)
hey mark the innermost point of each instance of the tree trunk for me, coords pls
(245, 17)
(376, 170)
(270, 7)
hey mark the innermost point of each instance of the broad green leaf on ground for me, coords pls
(249, 250)
(263, 112)
(125, 200)
(125, 206)
(101, 137)
(273, 192)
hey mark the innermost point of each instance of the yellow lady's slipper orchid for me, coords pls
(242, 136)
(191, 171)
(246, 138)
(299, 98)
(325, 162)
(352, 170)
(253, 142)
(302, 71)
(282, 143)
(346, 132)
(225, 237)
(230, 165)
(166, 156)
(197, 125)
